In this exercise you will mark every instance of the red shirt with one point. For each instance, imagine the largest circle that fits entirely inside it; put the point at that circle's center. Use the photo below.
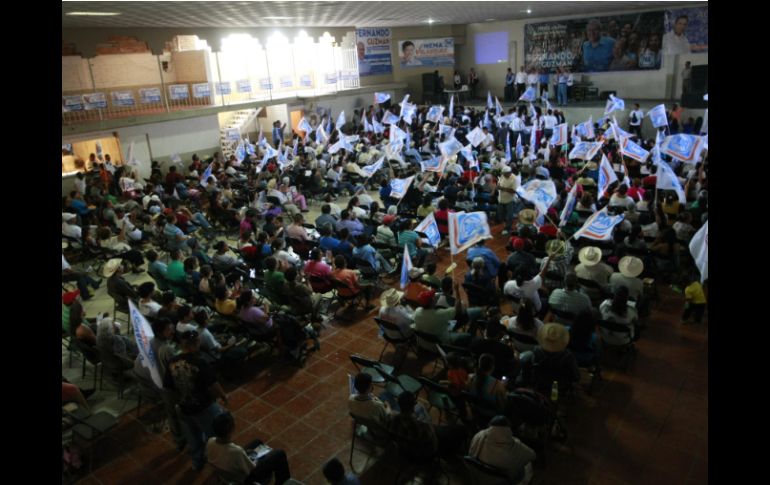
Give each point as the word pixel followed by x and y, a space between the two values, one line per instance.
pixel 442 220
pixel 636 193
pixel 348 277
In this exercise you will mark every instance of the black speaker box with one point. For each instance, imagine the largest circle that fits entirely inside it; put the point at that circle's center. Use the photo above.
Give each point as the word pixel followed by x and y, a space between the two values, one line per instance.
pixel 428 83
pixel 699 79
pixel 694 100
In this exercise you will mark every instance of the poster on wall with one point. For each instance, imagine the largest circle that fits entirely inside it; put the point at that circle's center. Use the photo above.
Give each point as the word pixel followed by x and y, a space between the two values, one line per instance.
pixel 178 92
pixel 596 44
pixel 373 46
pixel 287 81
pixel 95 101
pixel 202 90
pixel 224 88
pixel 306 81
pixel 243 86
pixel 71 103
pixel 427 52
pixel 150 95
pixel 687 30
pixel 265 84
pixel 331 78
pixel 123 98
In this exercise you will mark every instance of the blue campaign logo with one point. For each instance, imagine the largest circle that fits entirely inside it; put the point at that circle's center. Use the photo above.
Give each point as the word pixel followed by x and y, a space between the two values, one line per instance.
pixel 603 223
pixel 434 112
pixel 433 162
pixel 681 144
pixel 398 186
pixel 469 227
pixel 541 195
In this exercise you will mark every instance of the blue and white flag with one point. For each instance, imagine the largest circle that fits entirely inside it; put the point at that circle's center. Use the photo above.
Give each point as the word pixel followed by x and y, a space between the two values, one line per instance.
pixel 294 148
pixel 519 148
pixel 404 101
pixel 435 113
pixel 250 149
pixel 445 130
pixel 542 193
pixel 433 164
pixel 450 147
pixel 303 125
pixel 607 176
pixel 397 134
pixel 560 134
pixel 569 206
pixel 508 145
pixel 659 138
pixel 367 126
pixel 393 150
pixel 377 126
pixel 342 144
pixel 533 143
pixel 261 140
pixel 498 107
pixel 683 147
pixel 529 95
pixel 406 265
pixel 320 134
pixel 467 152
pixel 547 104
pixel 466 229
pixel 408 111
pixel 599 226
pixel 240 151
pixel 705 141
pixel 475 137
pixel 206 174
pixel 574 136
pixel 626 180
pixel 667 180
pixel 490 104
pixel 614 104
pixel 399 187
pixel 270 152
pixel 630 149
pixel 532 112
pixel 380 98
pixel 585 150
pixel 487 123
pixel 586 129
pixel 616 132
pixel 143 335
pixel 429 227
pixel 507 119
pixel 389 118
pixel 699 248
pixel 451 106
pixel 370 170
pixel 340 120
pixel 658 116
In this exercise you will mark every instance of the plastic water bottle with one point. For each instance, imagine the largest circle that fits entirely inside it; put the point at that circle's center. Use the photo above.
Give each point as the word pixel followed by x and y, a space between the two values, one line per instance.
pixel 555 391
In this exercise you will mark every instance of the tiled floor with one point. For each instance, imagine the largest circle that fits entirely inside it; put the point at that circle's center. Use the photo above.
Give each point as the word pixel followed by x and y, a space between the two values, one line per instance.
pixel 648 425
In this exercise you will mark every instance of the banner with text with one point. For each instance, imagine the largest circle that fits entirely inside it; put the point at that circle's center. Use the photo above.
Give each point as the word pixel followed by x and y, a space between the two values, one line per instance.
pixel 373 46
pixel 427 52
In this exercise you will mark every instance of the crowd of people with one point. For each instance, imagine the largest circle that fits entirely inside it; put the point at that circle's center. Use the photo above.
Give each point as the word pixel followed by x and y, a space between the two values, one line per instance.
pixel 212 303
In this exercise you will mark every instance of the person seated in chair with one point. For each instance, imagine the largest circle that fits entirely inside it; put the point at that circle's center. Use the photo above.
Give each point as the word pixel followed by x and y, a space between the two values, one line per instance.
pixel 224 260
pixel 364 404
pixel 584 342
pixel 147 306
pixel 484 385
pixel 552 359
pixel 231 355
pixel 591 266
pixel 505 360
pixel 326 218
pixel 570 299
pixel 117 286
pixel 439 322
pixel 316 267
pixel 618 310
pixel 301 296
pixel 496 446
pixel 366 252
pixel 350 279
pixel 258 319
pixel 111 343
pixel 394 311
pixel 231 458
pixel 479 276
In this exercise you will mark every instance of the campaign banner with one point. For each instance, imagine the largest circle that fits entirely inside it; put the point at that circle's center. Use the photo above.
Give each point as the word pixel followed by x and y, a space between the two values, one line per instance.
pixel 373 46
pixel 265 84
pixel 398 187
pixel 429 227
pixel 243 86
pixel 202 90
pixel 306 81
pixel 143 335
pixel 595 44
pixel 466 229
pixel 330 78
pixel 95 101
pixel 150 95
pixel 287 81
pixel 71 103
pixel 123 98
pixel 599 226
pixel 178 92
pixel 686 30
pixel 232 134
pixel 427 52
pixel 223 88
pixel 433 164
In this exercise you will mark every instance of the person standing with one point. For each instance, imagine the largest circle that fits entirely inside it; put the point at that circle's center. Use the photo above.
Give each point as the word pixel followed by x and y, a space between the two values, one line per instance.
pixel 532 79
pixel 635 121
pixel 473 80
pixel 458 82
pixel 562 94
pixel 506 198
pixel 543 82
pixel 521 81
pixel 509 78
pixel 278 133
pixel 686 77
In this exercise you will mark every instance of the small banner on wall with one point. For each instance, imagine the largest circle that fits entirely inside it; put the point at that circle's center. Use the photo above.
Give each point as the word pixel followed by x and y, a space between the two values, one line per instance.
pixel 373 48
pixel 265 84
pixel 224 88
pixel 287 81
pixel 71 103
pixel 306 81
pixel 95 101
pixel 150 95
pixel 331 78
pixel 243 86
pixel 123 98
pixel 427 52
pixel 178 92
pixel 202 90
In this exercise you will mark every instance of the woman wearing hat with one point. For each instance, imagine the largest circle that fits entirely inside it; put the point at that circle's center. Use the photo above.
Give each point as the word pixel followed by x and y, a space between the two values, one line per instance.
pixel 549 361
pixel 393 311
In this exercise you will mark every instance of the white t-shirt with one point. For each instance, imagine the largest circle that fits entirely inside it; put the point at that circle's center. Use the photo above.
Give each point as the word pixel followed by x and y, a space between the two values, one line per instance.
pixel 674 44
pixel 229 457
pixel 527 290
pixel 532 79
pixel 521 77
pixel 149 309
pixel 549 121
pixel 639 115
pixel 71 230
pixel 64 263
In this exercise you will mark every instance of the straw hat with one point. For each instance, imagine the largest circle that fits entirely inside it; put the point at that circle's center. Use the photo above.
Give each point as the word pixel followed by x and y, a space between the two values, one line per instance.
pixel 590 255
pixel 390 298
pixel 527 216
pixel 630 266
pixel 553 337
pixel 111 266
pixel 555 248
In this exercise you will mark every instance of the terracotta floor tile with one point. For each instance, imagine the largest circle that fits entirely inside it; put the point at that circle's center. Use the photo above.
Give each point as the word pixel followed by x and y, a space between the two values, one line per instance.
pixel 255 410
pixel 321 368
pixel 113 471
pixel 299 406
pixel 279 395
pixel 276 423
pixel 238 398
pixel 298 435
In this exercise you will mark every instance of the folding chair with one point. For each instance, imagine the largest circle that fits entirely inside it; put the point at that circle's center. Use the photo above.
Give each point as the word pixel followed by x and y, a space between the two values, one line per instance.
pixel 406 343
pixel 370 432
pixel 367 366
pixel 438 397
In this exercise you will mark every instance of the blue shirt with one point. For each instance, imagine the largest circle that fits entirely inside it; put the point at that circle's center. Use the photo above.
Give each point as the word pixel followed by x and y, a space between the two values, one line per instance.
pixel 491 261
pixel 355 227
pixel 598 58
pixel 171 232
pixel 328 243
pixel 367 253
pixel 80 206
pixel 544 78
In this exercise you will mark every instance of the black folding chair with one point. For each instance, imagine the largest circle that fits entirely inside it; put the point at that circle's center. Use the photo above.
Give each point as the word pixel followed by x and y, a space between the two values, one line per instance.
pixel 368 366
pixel 402 341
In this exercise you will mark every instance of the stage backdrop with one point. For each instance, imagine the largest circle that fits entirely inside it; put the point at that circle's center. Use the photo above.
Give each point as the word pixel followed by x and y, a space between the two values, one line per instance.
pixel 616 43
pixel 373 51
pixel 427 52
pixel 696 29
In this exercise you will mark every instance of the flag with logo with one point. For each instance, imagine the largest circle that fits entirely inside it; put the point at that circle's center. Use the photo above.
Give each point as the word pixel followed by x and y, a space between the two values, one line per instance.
pixel 240 151
pixel 206 174
pixel 250 149
pixel 143 335
pixel 630 149
pixel 399 187
pixel 569 206
pixel 320 134
pixel 586 129
pixel 542 193
pixel 614 104
pixel 616 132
pixel 429 227
pixel 370 170
pixel 607 176
pixel 367 126
pixel 396 133
pixel 389 118
pixel 490 104
pixel 529 95
pixel 519 148
pixel 303 125
pixel 599 226
pixel 445 129
pixel 475 137
pixel 585 150
pixel 667 180
pixel 683 147
pixel 450 147
pixel 377 126
pixel 466 229
pixel 340 120
pixel 658 116
pixel 380 98
pixel 406 265
pixel 487 123
pixel 435 113
pixel 498 107
pixel 467 152
pixel 699 248
pixel 560 134
pixel 433 164
pixel 408 111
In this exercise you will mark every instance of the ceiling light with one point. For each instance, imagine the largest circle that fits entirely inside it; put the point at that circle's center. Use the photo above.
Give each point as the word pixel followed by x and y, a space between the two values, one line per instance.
pixel 529 10
pixel 429 21
pixel 93 14
pixel 277 18
pixel 490 20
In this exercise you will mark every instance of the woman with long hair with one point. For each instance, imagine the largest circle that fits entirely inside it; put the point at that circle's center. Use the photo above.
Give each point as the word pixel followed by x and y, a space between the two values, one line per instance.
pixel 483 385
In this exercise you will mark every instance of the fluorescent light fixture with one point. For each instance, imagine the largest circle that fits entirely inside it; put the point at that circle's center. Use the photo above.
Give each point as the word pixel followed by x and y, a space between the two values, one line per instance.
pixel 277 18
pixel 529 10
pixel 429 21
pixel 94 14
pixel 490 20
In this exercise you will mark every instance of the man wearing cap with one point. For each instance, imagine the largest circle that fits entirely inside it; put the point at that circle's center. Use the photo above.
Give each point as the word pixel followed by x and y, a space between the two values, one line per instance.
pixel 506 198
pixel 439 322
pixel 491 261
pixel 591 266
pixel 415 287
pixel 630 267
pixel 549 361
pixel 196 384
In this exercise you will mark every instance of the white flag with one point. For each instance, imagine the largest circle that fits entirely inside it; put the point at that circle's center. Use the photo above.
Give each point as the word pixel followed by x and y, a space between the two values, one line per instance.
pixel 607 176
pixel 667 180
pixel 699 248
pixel 475 137
pixel 143 335
pixel 340 121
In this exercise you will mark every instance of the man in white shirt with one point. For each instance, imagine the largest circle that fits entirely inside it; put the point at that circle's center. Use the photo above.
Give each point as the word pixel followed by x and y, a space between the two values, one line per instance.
pixel 517 127
pixel 675 42
pixel 635 121
pixel 488 142
pixel 521 80
pixel 548 122
pixel 68 228
pixel 506 198
pixel 80 182
pixel 532 79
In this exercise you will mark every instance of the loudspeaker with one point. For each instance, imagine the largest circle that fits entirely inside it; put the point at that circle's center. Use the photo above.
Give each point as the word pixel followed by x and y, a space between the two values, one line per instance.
pixel 694 100
pixel 428 83
pixel 605 95
pixel 699 79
